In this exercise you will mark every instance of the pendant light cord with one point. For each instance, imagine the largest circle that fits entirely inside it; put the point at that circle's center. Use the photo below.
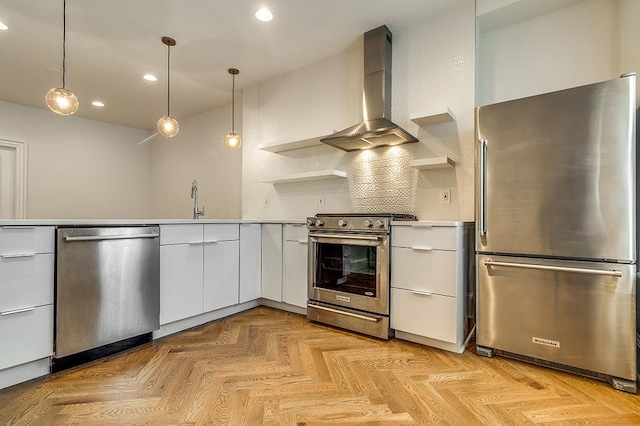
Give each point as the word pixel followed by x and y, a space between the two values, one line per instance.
pixel 168 79
pixel 233 103
pixel 64 42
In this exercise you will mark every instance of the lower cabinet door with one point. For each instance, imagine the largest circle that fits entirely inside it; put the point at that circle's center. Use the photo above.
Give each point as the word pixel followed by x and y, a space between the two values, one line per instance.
pixel 294 273
pixel 250 261
pixel 221 274
pixel 26 335
pixel 181 274
pixel 433 316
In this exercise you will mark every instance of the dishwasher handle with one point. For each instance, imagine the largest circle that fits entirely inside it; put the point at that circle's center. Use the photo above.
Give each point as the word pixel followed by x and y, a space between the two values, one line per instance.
pixel 110 237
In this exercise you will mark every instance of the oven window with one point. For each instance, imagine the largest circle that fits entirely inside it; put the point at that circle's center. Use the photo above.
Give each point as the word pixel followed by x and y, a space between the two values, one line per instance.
pixel 347 268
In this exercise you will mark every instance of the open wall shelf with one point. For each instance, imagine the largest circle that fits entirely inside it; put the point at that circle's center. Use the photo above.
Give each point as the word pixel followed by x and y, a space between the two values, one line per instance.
pixel 423 119
pixel 432 163
pixel 307 176
pixel 294 144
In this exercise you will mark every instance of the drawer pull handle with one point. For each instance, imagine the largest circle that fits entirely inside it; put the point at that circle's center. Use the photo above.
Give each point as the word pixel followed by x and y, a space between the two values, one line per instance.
pixel 422 293
pixel 70 238
pixel 16 255
pixel 17 311
pixel 18 227
pixel 611 273
pixel 195 243
pixel 349 314
pixel 303 241
pixel 211 242
pixel 421 225
pixel 422 248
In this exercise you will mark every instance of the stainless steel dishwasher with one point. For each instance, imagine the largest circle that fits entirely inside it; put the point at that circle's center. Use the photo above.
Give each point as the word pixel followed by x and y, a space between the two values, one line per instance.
pixel 107 291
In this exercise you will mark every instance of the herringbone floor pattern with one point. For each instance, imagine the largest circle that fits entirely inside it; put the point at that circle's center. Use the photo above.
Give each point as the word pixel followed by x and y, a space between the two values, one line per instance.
pixel 268 367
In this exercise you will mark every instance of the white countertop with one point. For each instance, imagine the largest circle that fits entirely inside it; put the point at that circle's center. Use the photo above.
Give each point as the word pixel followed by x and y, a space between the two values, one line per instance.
pixel 428 223
pixel 132 222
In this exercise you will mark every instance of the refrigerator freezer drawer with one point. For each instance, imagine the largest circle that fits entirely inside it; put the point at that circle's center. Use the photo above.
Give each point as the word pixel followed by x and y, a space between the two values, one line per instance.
pixel 578 314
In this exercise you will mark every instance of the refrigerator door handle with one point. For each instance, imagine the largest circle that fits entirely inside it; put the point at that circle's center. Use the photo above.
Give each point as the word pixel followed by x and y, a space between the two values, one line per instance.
pixel 611 273
pixel 482 225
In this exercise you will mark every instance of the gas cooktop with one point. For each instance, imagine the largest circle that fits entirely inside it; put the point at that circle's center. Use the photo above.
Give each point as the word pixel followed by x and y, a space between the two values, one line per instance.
pixel 393 216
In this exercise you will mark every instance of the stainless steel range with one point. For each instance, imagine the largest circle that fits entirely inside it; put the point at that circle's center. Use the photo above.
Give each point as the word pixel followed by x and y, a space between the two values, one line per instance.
pixel 349 271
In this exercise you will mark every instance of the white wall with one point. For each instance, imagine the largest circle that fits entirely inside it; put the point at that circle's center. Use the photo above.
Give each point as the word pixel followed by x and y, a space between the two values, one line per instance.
pixel 197 152
pixel 569 47
pixel 79 168
pixel 433 68
pixel 629 42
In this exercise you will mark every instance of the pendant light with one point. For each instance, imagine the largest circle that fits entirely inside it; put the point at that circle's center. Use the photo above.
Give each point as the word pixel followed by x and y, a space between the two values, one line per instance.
pixel 167 125
pixel 233 140
pixel 59 99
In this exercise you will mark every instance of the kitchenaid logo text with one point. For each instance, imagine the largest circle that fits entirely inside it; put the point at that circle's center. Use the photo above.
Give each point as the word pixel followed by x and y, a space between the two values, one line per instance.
pixel 545 342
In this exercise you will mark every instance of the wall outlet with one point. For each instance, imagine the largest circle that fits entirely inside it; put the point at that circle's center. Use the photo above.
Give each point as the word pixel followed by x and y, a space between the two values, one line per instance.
pixel 320 200
pixel 265 203
pixel 445 196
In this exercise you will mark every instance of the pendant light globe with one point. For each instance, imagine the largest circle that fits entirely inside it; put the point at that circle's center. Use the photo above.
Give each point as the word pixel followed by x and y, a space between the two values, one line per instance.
pixel 233 140
pixel 61 101
pixel 168 126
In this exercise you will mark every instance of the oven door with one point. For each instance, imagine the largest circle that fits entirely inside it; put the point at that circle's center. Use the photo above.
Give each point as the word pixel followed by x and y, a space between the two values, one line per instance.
pixel 350 270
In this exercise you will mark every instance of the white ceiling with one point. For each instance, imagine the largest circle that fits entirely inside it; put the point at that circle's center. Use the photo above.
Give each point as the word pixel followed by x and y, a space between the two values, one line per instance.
pixel 112 43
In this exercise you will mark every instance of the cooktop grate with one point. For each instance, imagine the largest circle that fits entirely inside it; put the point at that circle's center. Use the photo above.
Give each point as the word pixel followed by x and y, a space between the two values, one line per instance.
pixel 393 216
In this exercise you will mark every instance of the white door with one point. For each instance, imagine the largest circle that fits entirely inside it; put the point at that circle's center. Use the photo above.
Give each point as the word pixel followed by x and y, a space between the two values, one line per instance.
pixel 13 185
pixel 7 182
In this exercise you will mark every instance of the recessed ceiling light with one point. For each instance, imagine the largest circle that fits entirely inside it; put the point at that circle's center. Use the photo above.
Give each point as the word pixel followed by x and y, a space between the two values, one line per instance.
pixel 150 77
pixel 3 26
pixel 97 104
pixel 264 14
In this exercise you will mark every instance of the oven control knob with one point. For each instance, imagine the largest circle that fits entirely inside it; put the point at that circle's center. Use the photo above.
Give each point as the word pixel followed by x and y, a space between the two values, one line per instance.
pixel 319 222
pixel 342 222
pixel 368 223
pixel 379 224
pixel 311 222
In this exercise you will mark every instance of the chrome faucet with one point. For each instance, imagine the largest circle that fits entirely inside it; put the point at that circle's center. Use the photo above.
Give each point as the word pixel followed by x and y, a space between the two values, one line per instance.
pixel 194 195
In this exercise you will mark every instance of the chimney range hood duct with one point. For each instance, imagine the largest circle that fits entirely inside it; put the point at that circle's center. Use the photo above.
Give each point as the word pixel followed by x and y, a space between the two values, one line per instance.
pixel 377 129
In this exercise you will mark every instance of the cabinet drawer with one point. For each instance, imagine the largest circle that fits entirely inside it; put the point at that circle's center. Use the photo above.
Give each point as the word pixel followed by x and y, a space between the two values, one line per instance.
pixel 181 234
pixel 26 240
pixel 221 232
pixel 295 232
pixel 429 316
pixel 435 271
pixel 424 236
pixel 26 336
pixel 26 281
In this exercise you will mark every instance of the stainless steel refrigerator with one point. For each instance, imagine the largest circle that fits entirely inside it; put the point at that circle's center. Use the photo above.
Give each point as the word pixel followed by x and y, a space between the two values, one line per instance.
pixel 556 230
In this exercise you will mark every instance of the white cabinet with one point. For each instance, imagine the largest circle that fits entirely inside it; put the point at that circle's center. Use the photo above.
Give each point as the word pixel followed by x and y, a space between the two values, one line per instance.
pixel 250 261
pixel 272 261
pixel 181 272
pixel 221 266
pixel 294 265
pixel 430 282
pixel 26 294
pixel 199 269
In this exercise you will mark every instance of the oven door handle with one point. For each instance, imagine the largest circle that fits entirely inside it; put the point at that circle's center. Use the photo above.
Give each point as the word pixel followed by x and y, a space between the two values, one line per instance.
pixel 349 314
pixel 348 237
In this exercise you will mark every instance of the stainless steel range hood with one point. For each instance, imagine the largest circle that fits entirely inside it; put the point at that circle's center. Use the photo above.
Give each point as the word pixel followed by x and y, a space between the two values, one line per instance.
pixel 377 129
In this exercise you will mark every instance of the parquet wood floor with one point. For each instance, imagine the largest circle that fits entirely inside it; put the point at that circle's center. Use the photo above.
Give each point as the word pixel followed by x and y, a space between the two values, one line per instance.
pixel 268 367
